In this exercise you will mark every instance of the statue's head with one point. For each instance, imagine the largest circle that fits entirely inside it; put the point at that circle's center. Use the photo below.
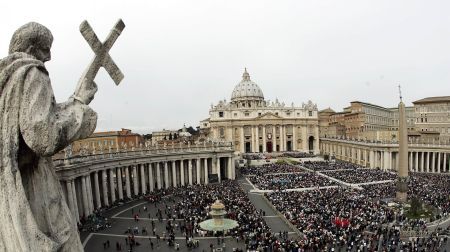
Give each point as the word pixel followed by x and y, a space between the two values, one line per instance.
pixel 34 39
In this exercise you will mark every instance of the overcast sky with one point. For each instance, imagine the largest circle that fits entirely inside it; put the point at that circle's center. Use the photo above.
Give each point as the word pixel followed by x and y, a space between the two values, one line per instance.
pixel 178 57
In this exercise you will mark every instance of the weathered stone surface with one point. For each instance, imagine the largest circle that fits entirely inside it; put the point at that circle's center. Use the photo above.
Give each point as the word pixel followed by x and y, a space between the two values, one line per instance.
pixel 34 215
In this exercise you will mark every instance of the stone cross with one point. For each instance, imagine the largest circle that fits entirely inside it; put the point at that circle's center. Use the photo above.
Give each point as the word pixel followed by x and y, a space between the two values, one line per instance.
pixel 102 58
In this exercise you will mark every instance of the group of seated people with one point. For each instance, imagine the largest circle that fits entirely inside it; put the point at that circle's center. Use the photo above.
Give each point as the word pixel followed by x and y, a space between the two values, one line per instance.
pixel 290 181
pixel 431 189
pixel 270 169
pixel 362 175
pixel 345 218
pixel 329 166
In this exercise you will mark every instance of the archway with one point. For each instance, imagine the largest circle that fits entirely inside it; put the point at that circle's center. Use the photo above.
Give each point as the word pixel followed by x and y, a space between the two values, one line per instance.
pixel 289 146
pixel 311 144
pixel 248 147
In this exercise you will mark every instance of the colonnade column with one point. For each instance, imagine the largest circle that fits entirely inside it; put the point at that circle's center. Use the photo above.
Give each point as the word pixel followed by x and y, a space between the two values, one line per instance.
pixel 416 162
pixel 444 165
pixel 166 175
pixel 197 165
pixel 119 182
pixel 105 188
pixel 182 172
pixel 158 175
pixel 142 179
pixel 422 161
pixel 428 162
pixel 439 163
pixel 135 181
pixel 70 198
pixel 112 185
pixel 190 171
pixel 91 197
pixel 150 177
pixel 127 182
pixel 218 169
pixel 174 174
pixel 433 162
pixel 75 201
pixel 84 195
pixel 98 201
pixel 206 171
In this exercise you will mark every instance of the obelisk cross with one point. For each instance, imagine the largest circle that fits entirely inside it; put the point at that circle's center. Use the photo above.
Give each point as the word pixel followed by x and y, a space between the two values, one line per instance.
pixel 101 50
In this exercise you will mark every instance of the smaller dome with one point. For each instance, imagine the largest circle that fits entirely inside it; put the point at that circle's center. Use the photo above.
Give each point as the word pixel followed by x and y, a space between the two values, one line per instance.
pixel 247 89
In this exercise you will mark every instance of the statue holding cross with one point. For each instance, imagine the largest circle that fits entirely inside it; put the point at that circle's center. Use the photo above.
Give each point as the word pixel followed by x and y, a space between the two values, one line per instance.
pixel 34 213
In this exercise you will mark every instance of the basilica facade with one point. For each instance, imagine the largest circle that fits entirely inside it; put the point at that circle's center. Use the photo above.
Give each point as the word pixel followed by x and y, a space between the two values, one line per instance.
pixel 255 125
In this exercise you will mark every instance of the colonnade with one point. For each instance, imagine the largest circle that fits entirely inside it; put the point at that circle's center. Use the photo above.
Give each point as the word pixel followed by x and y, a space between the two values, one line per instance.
pixel 421 157
pixel 103 187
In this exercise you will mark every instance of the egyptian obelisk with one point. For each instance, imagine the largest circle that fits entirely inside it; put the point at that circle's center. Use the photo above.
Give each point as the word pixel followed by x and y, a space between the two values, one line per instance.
pixel 402 182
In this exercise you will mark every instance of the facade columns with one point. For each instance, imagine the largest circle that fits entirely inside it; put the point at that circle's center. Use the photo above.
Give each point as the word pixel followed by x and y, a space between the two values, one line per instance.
pixel 85 197
pixel 143 185
pixel 428 161
pixel 281 138
pixel 416 162
pixel 190 171
pixel 294 137
pixel 274 139
pixel 422 162
pixel 127 182
pixel 151 181
pixel 229 167
pixel 135 181
pixel 158 175
pixel 182 172
pixel 174 175
pixel 166 175
pixel 112 185
pixel 119 182
pixel 98 201
pixel 242 139
pixel 218 169
pixel 105 188
pixel 206 171
pixel 70 198
pixel 433 162
pixel 253 139
pixel 444 165
pixel 264 138
pixel 197 165
pixel 438 163
pixel 75 201
pixel 257 138
pixel 91 197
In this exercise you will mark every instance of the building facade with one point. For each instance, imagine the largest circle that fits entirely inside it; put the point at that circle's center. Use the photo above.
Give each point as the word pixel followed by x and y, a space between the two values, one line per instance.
pixel 104 141
pixel 432 116
pixel 254 124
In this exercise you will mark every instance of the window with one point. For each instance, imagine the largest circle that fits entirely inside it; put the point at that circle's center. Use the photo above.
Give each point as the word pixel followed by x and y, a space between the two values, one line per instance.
pixel 310 113
pixel 259 114
pixel 221 114
pixel 247 114
pixel 235 114
pixel 288 113
pixel 276 113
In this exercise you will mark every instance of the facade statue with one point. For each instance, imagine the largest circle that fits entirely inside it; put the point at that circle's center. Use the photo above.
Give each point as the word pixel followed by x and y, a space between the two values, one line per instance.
pixel 34 215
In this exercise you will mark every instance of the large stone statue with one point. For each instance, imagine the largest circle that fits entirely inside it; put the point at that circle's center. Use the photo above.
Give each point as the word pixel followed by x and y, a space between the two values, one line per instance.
pixel 34 215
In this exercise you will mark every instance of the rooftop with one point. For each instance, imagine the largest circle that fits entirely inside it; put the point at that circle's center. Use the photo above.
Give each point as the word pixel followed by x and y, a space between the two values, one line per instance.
pixel 434 99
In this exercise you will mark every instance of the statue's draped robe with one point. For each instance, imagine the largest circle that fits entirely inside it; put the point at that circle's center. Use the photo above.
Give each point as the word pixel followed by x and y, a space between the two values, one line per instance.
pixel 34 215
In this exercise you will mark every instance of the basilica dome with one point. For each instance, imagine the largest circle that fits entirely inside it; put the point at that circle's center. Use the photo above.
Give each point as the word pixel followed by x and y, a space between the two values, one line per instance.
pixel 246 90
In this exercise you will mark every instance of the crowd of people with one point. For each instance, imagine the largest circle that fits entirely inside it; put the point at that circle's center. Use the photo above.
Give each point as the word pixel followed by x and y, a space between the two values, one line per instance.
pixel 329 166
pixel 431 189
pixel 361 175
pixel 270 169
pixel 297 154
pixel 343 218
pixel 290 181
